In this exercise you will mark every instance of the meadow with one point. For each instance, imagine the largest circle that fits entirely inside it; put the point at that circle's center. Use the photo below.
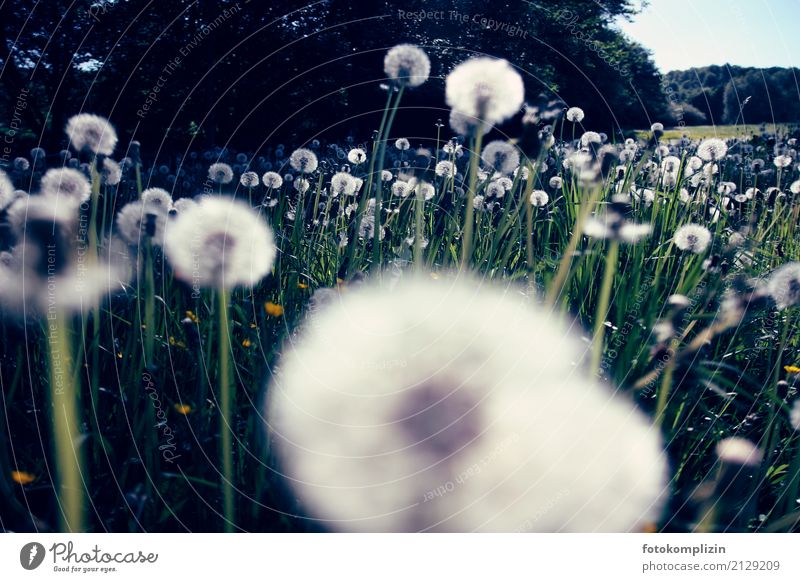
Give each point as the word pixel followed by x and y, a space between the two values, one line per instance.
pixel 550 330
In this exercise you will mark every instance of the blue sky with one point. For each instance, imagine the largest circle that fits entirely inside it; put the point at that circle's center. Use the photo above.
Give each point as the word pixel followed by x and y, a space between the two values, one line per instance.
pixel 694 33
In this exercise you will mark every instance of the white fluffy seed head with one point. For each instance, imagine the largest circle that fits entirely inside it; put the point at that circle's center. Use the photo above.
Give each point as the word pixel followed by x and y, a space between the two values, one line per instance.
pixel 539 198
pixel 110 172
pixel 466 125
pixel 220 243
pixel 575 114
pixel 694 238
pixel 738 451
pixel 407 65
pixel 783 285
pixel 500 156
pixel 455 405
pixel 139 220
pixel 357 156
pixel 91 132
pixel 712 149
pixel 343 183
pixel 249 180
pixel 485 88
pixel 66 185
pixel 220 173
pixel 303 160
pixel 794 415
pixel 272 180
pixel 158 198
pixel 446 169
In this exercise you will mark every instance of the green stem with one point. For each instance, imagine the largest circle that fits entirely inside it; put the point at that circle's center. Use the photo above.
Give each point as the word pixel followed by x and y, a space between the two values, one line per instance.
pixel 469 217
pixel 376 242
pixel 66 426
pixel 602 306
pixel 149 303
pixel 418 213
pixel 566 260
pixel 225 404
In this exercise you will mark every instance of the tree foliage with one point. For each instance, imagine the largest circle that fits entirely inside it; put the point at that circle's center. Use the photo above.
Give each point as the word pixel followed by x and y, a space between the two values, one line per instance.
pixel 730 94
pixel 257 72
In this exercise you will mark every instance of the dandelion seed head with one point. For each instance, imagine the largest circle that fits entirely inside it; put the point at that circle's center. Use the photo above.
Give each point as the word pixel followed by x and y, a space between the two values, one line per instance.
pixel 408 65
pixel 500 156
pixel 782 161
pixel 272 180
pixel 368 429
pixel 110 172
pixel 220 243
pixel 465 125
pixel 220 173
pixel 575 114
pixel 157 198
pixel 401 189
pixel 556 182
pixel 402 144
pixel 66 184
pixel 712 149
pixel 591 138
pixel 343 183
pixel 249 180
pixel 357 156
pixel 485 88
pixel 495 189
pixel 783 285
pixel 738 451
pixel 691 237
pixel 794 415
pixel 446 169
pixel 138 220
pixel 91 132
pixel 539 198
pixel 182 205
pixel 304 161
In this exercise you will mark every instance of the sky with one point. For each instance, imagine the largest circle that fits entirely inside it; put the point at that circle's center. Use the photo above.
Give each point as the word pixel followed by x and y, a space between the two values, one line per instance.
pixel 695 33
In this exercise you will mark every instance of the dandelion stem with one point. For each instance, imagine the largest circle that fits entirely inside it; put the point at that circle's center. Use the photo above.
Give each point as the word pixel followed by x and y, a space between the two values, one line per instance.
pixel 526 200
pixel 566 261
pixel 469 217
pixel 95 198
pixel 419 204
pixel 149 302
pixel 376 242
pixel 225 404
pixel 602 306
pixel 666 386
pixel 362 202
pixel 66 425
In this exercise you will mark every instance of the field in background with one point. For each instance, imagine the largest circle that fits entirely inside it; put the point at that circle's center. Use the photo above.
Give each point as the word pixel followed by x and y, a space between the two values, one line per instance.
pixel 721 131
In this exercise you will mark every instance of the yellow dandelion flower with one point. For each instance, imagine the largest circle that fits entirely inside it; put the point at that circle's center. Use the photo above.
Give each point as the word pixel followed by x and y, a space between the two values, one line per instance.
pixel 190 314
pixel 273 309
pixel 302 286
pixel 183 408
pixel 792 369
pixel 22 477
pixel 247 343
